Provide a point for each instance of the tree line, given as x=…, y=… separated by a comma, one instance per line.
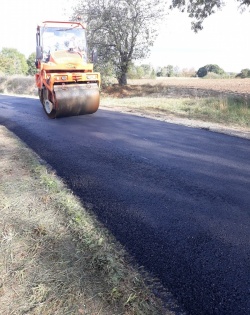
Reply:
x=147, y=71
x=13, y=62
x=212, y=71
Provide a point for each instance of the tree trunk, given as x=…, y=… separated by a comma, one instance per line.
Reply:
x=123, y=79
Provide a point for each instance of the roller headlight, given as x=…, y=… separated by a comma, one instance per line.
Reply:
x=92, y=77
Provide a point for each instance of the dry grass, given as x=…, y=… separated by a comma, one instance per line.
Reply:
x=18, y=84
x=55, y=258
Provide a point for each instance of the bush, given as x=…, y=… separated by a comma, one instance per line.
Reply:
x=107, y=72
x=203, y=71
x=18, y=84
x=212, y=75
x=3, y=80
x=245, y=73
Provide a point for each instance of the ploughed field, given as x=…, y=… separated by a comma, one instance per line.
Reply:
x=180, y=87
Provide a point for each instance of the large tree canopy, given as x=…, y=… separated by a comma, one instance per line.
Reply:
x=203, y=71
x=122, y=31
x=12, y=62
x=199, y=10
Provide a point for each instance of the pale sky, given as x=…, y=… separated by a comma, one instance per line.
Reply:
x=224, y=40
x=19, y=19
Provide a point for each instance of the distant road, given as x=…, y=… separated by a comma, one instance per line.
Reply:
x=177, y=198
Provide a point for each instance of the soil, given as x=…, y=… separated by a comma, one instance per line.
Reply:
x=231, y=86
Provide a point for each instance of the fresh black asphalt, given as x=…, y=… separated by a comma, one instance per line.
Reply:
x=177, y=198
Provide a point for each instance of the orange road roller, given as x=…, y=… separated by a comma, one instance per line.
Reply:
x=66, y=82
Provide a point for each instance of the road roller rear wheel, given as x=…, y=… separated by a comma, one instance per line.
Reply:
x=47, y=105
x=49, y=110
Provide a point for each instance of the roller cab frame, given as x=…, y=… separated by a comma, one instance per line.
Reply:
x=67, y=85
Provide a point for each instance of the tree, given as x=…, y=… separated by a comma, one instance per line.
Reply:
x=122, y=31
x=12, y=62
x=107, y=71
x=31, y=64
x=170, y=71
x=5, y=64
x=138, y=72
x=199, y=10
x=188, y=72
x=245, y=73
x=159, y=72
x=148, y=71
x=203, y=71
x=167, y=71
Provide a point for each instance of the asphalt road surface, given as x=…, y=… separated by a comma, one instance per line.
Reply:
x=177, y=198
